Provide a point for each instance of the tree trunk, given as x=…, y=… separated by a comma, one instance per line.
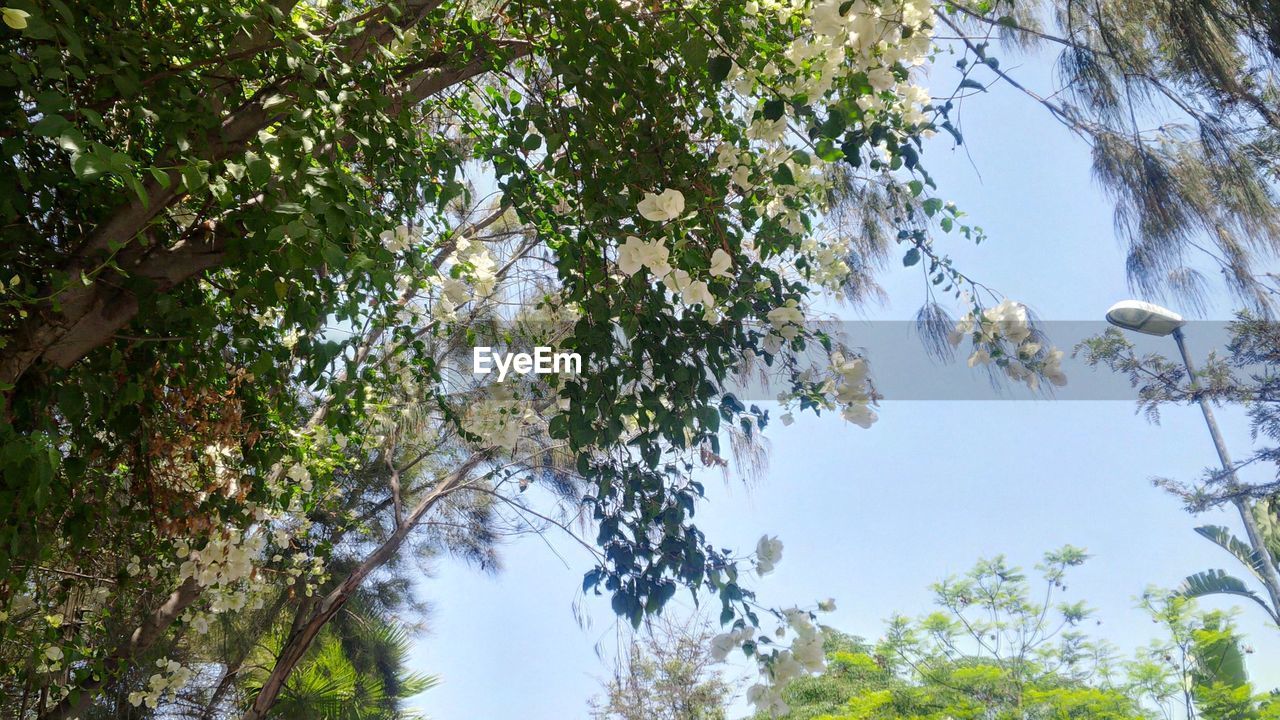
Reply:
x=303, y=636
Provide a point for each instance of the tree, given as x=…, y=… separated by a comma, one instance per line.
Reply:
x=667, y=674
x=354, y=671
x=1178, y=103
x=1246, y=376
x=242, y=242
x=996, y=650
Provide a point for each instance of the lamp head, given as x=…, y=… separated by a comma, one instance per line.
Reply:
x=1144, y=317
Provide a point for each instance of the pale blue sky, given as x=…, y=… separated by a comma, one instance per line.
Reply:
x=872, y=517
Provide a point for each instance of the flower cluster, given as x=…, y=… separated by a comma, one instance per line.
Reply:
x=498, y=418
x=780, y=664
x=171, y=678
x=805, y=655
x=1003, y=336
x=768, y=554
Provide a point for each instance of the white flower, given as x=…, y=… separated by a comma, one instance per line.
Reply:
x=655, y=257
x=881, y=79
x=852, y=370
x=397, y=239
x=721, y=264
x=663, y=207
x=827, y=20
x=828, y=605
x=696, y=293
x=630, y=254
x=807, y=650
x=300, y=475
x=53, y=653
x=636, y=254
x=14, y=18
x=963, y=328
x=858, y=414
x=1052, y=368
x=768, y=553
x=788, y=418
x=979, y=357
x=1010, y=319
x=723, y=644
x=456, y=290
x=785, y=319
x=483, y=272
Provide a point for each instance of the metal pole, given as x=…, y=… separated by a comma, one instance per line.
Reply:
x=1270, y=578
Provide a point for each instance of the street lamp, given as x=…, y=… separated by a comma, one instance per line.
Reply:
x=1152, y=319
x=1145, y=318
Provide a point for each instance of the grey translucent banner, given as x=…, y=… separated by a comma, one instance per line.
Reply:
x=906, y=366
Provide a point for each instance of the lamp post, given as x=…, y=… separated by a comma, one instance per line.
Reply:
x=1152, y=319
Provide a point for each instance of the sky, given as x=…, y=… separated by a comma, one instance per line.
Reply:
x=873, y=517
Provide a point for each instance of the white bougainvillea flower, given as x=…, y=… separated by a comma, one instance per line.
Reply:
x=15, y=18
x=725, y=643
x=861, y=415
x=721, y=264
x=654, y=256
x=1010, y=319
x=1053, y=368
x=397, y=239
x=456, y=290
x=852, y=370
x=630, y=255
x=880, y=79
x=827, y=20
x=636, y=253
x=300, y=475
x=483, y=272
x=668, y=205
x=787, y=319
x=768, y=553
x=697, y=293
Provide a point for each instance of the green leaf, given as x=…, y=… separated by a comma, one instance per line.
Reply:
x=88, y=166
x=1218, y=582
x=258, y=167
x=911, y=258
x=193, y=178
x=971, y=83
x=1239, y=549
x=161, y=177
x=1216, y=650
x=718, y=67
x=773, y=109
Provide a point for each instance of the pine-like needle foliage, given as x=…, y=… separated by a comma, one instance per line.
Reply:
x=1180, y=103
